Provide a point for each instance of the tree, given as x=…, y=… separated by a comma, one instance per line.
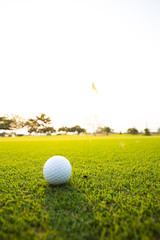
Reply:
x=17, y=122
x=147, y=132
x=63, y=129
x=6, y=123
x=132, y=131
x=43, y=120
x=44, y=124
x=77, y=129
x=32, y=125
x=47, y=130
x=41, y=124
x=105, y=130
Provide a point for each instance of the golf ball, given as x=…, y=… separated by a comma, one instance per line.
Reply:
x=57, y=170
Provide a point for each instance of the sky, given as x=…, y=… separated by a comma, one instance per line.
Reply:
x=52, y=51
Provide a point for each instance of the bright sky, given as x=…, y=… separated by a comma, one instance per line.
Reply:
x=51, y=52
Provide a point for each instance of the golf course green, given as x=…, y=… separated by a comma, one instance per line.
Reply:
x=113, y=192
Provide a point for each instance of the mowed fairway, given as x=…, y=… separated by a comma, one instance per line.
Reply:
x=119, y=199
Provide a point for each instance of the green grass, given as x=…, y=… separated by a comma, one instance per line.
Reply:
x=120, y=198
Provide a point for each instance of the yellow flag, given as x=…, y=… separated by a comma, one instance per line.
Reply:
x=94, y=88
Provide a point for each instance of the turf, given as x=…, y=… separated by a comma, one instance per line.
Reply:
x=118, y=199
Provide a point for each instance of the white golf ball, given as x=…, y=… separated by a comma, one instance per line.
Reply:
x=57, y=170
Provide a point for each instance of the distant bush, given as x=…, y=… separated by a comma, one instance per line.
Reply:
x=75, y=129
x=19, y=135
x=105, y=130
x=3, y=134
x=132, y=131
x=147, y=132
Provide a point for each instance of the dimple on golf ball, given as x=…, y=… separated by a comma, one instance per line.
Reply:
x=57, y=170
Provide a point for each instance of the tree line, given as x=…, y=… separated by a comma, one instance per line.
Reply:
x=40, y=124
x=43, y=125
x=132, y=131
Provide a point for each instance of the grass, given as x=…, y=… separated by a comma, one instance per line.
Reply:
x=119, y=199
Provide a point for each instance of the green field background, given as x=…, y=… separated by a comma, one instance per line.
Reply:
x=119, y=199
